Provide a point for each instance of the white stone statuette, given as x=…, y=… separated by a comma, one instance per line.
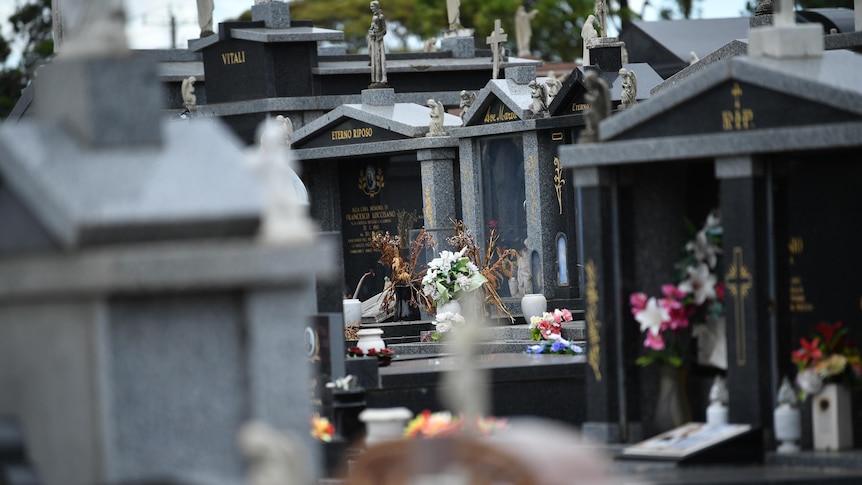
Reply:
x=205, y=17
x=275, y=458
x=692, y=58
x=93, y=29
x=539, y=102
x=435, y=128
x=453, y=13
x=430, y=45
x=588, y=37
x=467, y=99
x=285, y=198
x=523, y=29
x=599, y=99
x=554, y=86
x=376, y=33
x=601, y=13
x=286, y=128
x=188, y=91
x=629, y=95
x=497, y=41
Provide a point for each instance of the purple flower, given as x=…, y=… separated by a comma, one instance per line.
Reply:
x=558, y=346
x=536, y=349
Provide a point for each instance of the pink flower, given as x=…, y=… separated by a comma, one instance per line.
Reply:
x=558, y=317
x=671, y=291
x=567, y=315
x=653, y=341
x=638, y=302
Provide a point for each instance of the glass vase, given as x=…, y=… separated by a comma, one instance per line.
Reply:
x=671, y=407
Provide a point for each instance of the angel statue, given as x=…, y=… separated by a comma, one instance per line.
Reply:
x=435, y=128
x=629, y=95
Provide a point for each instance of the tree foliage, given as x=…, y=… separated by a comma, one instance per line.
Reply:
x=556, y=29
x=31, y=28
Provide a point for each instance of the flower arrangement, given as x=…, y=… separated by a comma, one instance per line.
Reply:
x=449, y=276
x=442, y=423
x=321, y=428
x=547, y=330
x=445, y=321
x=698, y=297
x=495, y=264
x=404, y=270
x=384, y=356
x=827, y=358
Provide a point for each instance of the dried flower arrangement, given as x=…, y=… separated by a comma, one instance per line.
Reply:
x=495, y=263
x=403, y=269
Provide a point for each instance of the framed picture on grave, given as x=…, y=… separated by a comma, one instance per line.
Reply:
x=504, y=201
x=689, y=440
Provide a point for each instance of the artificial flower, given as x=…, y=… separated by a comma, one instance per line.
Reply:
x=826, y=358
x=654, y=341
x=321, y=428
x=701, y=282
x=652, y=317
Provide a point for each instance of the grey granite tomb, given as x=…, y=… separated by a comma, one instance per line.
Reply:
x=142, y=320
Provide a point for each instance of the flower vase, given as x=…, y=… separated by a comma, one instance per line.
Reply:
x=533, y=305
x=404, y=311
x=671, y=408
x=451, y=306
x=370, y=338
x=832, y=419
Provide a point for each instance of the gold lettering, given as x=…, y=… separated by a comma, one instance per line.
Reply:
x=580, y=106
x=342, y=134
x=593, y=323
x=233, y=57
x=726, y=120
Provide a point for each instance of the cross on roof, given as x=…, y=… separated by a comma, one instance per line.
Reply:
x=497, y=37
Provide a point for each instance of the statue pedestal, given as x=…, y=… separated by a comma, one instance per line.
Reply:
x=461, y=46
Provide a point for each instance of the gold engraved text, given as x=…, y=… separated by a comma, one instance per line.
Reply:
x=594, y=326
x=233, y=57
x=739, y=118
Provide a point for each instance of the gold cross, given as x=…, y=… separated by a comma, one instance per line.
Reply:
x=738, y=280
x=736, y=92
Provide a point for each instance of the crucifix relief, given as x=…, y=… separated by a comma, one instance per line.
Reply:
x=497, y=41
x=739, y=281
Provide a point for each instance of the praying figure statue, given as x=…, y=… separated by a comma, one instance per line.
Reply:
x=629, y=95
x=588, y=36
x=601, y=12
x=523, y=29
x=539, y=95
x=453, y=11
x=188, y=91
x=205, y=17
x=599, y=98
x=375, y=46
x=435, y=128
x=430, y=45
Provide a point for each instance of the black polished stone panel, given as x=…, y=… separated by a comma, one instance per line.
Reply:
x=737, y=106
x=747, y=302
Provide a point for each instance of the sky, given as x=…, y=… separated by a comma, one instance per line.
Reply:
x=148, y=21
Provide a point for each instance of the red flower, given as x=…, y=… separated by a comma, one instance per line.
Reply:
x=719, y=291
x=828, y=332
x=809, y=351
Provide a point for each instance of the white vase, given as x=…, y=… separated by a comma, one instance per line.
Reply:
x=788, y=428
x=832, y=419
x=352, y=311
x=370, y=338
x=384, y=424
x=533, y=305
x=451, y=306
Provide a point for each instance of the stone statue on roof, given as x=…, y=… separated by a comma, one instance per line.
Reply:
x=601, y=13
x=629, y=95
x=453, y=11
x=376, y=33
x=599, y=99
x=523, y=29
x=588, y=36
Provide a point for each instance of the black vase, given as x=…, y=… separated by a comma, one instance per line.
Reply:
x=404, y=311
